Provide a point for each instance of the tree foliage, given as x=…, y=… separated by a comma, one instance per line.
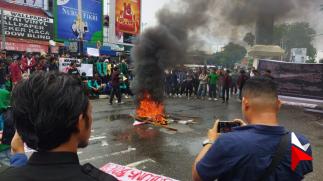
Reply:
x=295, y=35
x=231, y=54
x=249, y=38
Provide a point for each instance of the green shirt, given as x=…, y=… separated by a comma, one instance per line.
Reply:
x=93, y=84
x=8, y=85
x=4, y=99
x=124, y=68
x=213, y=78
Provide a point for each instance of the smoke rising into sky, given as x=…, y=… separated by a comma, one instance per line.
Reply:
x=167, y=44
x=242, y=12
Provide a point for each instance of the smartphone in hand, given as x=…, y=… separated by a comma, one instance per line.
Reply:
x=226, y=126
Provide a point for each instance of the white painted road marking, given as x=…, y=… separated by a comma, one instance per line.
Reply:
x=130, y=149
x=136, y=164
x=104, y=143
x=97, y=138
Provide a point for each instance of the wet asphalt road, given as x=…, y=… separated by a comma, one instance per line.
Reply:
x=171, y=154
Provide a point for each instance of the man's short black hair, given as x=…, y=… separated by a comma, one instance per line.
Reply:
x=46, y=109
x=260, y=87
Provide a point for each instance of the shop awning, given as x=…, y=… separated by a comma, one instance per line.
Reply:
x=22, y=9
x=105, y=50
x=25, y=45
x=266, y=51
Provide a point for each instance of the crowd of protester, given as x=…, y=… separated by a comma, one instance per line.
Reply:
x=207, y=83
x=109, y=76
x=57, y=128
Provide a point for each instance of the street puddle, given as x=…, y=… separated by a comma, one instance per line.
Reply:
x=116, y=117
x=136, y=133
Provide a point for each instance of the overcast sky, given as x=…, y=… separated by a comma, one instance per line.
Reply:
x=149, y=9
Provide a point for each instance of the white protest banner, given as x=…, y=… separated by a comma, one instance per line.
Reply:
x=65, y=62
x=124, y=173
x=86, y=68
x=93, y=52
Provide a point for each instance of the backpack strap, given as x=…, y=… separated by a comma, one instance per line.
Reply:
x=277, y=157
x=96, y=174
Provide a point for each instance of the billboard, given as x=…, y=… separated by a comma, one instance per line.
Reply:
x=22, y=25
x=296, y=80
x=32, y=3
x=127, y=17
x=66, y=15
x=298, y=55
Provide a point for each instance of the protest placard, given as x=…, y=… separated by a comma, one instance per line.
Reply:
x=124, y=173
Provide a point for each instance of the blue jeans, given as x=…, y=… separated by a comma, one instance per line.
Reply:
x=202, y=90
x=213, y=90
x=5, y=157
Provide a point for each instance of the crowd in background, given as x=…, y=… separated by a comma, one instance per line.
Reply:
x=211, y=83
x=110, y=76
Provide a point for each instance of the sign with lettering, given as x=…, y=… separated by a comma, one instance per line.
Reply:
x=296, y=79
x=27, y=26
x=68, y=24
x=25, y=47
x=32, y=3
x=65, y=62
x=86, y=68
x=124, y=173
x=128, y=16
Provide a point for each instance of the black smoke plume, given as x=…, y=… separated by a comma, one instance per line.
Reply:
x=242, y=12
x=165, y=45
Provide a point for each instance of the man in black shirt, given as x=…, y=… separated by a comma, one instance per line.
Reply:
x=3, y=74
x=54, y=117
x=73, y=70
x=3, y=69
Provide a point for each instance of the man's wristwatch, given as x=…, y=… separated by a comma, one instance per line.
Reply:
x=207, y=142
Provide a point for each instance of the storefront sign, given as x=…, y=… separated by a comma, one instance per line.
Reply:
x=27, y=26
x=32, y=3
x=25, y=47
x=124, y=173
x=128, y=16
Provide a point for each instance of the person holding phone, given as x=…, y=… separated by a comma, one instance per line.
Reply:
x=260, y=150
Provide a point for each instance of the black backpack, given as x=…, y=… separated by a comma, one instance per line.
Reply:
x=8, y=127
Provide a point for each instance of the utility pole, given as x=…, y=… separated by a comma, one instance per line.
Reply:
x=3, y=32
x=80, y=26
